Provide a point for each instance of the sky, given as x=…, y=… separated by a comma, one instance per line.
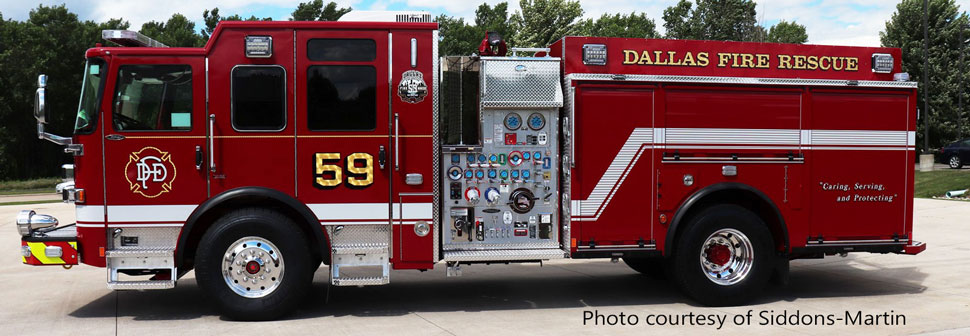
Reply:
x=834, y=22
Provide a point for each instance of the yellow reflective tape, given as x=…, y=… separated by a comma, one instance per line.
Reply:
x=73, y=245
x=37, y=249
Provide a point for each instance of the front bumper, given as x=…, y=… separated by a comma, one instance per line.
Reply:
x=48, y=245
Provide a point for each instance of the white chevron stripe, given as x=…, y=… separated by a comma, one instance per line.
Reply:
x=591, y=208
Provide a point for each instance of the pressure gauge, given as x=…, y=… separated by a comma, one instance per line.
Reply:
x=479, y=174
x=481, y=158
x=526, y=156
x=454, y=173
x=537, y=156
x=471, y=158
x=513, y=121
x=492, y=174
x=504, y=174
x=537, y=121
x=493, y=158
x=526, y=174
x=469, y=174
x=515, y=174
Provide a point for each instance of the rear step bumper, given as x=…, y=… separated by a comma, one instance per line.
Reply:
x=50, y=247
x=914, y=248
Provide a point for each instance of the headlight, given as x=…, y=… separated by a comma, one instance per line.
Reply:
x=28, y=221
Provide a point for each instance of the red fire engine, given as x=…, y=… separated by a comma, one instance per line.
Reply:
x=281, y=145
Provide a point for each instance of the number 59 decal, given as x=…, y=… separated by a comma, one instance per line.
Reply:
x=359, y=168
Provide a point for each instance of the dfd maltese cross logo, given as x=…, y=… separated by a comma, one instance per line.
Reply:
x=150, y=172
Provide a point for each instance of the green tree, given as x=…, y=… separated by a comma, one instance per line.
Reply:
x=542, y=22
x=316, y=11
x=178, y=31
x=787, y=32
x=212, y=18
x=51, y=41
x=621, y=25
x=905, y=31
x=724, y=20
x=460, y=38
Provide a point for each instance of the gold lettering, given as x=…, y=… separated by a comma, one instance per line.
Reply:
x=702, y=59
x=763, y=61
x=630, y=57
x=722, y=59
x=689, y=60
x=645, y=58
x=822, y=63
x=657, y=57
x=852, y=64
x=784, y=61
x=672, y=58
x=747, y=61
x=813, y=62
x=838, y=63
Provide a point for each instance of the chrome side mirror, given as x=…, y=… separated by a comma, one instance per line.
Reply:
x=40, y=100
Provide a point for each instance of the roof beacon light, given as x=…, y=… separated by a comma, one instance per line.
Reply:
x=901, y=77
x=882, y=63
x=128, y=38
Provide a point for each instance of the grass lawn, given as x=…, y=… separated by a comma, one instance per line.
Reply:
x=937, y=183
x=35, y=186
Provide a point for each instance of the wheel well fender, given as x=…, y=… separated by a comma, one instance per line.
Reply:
x=208, y=212
x=730, y=193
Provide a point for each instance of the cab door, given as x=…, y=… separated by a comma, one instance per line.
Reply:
x=154, y=140
x=343, y=138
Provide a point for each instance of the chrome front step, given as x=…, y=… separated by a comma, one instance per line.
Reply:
x=145, y=260
x=357, y=257
x=504, y=255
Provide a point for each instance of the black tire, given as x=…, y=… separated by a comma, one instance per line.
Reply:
x=652, y=267
x=690, y=272
x=288, y=243
x=954, y=162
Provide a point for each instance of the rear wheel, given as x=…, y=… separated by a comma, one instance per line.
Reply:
x=955, y=162
x=255, y=263
x=723, y=258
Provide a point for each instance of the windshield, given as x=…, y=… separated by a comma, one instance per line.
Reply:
x=87, y=110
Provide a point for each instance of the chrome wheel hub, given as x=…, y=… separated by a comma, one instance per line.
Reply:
x=252, y=267
x=954, y=162
x=726, y=256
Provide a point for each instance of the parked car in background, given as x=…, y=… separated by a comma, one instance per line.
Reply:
x=956, y=154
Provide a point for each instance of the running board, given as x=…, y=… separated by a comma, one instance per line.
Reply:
x=503, y=255
x=141, y=285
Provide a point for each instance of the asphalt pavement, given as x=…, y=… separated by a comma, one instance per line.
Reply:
x=926, y=293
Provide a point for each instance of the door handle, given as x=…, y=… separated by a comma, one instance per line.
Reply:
x=198, y=157
x=397, y=143
x=382, y=157
x=212, y=147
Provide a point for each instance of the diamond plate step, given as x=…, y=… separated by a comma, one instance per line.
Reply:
x=135, y=253
x=141, y=285
x=504, y=255
x=361, y=281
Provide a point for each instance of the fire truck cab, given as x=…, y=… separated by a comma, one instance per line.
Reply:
x=281, y=145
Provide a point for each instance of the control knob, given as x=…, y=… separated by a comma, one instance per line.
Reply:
x=472, y=195
x=492, y=195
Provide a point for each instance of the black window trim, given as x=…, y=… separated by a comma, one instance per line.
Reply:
x=371, y=61
x=232, y=100
x=115, y=89
x=377, y=99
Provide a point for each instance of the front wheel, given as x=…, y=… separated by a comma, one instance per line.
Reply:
x=255, y=263
x=723, y=258
x=955, y=162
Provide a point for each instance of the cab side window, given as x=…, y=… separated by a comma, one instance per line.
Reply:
x=153, y=98
x=342, y=93
x=259, y=98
